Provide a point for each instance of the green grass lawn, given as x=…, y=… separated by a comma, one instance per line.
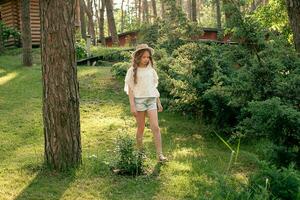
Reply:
x=198, y=160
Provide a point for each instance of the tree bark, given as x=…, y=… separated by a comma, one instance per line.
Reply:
x=1, y=40
x=77, y=16
x=122, y=16
x=140, y=11
x=163, y=11
x=194, y=11
x=60, y=85
x=145, y=11
x=154, y=8
x=82, y=20
x=189, y=9
x=101, y=22
x=218, y=9
x=89, y=11
x=26, y=33
x=111, y=22
x=293, y=8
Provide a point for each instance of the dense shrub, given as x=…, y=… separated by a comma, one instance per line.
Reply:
x=113, y=54
x=119, y=69
x=279, y=122
x=281, y=183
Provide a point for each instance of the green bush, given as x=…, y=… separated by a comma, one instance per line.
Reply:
x=191, y=71
x=276, y=121
x=128, y=160
x=149, y=34
x=112, y=54
x=8, y=32
x=119, y=69
x=281, y=183
x=81, y=49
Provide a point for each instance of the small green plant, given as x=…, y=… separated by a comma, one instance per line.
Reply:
x=81, y=51
x=8, y=32
x=128, y=160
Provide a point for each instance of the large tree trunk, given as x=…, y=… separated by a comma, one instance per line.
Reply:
x=111, y=22
x=77, y=17
x=154, y=8
x=140, y=11
x=89, y=11
x=122, y=16
x=145, y=11
x=293, y=8
x=60, y=85
x=26, y=33
x=199, y=10
x=194, y=11
x=163, y=10
x=101, y=22
x=189, y=9
x=218, y=10
x=96, y=7
x=82, y=20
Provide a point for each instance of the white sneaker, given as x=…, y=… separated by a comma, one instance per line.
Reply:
x=162, y=158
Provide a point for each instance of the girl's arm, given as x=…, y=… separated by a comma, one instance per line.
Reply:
x=160, y=108
x=131, y=101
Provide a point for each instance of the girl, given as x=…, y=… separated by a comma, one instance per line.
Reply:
x=141, y=83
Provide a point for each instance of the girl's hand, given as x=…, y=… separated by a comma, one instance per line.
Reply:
x=160, y=108
x=133, y=110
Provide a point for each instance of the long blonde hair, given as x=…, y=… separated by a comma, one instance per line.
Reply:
x=136, y=60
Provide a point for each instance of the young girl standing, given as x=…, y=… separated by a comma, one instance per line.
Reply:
x=141, y=83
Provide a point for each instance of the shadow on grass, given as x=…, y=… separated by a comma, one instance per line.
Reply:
x=47, y=185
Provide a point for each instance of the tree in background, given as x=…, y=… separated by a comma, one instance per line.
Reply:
x=111, y=22
x=293, y=8
x=82, y=19
x=26, y=33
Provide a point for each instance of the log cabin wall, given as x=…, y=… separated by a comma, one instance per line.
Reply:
x=11, y=16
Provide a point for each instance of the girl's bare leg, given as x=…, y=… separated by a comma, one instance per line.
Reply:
x=153, y=118
x=140, y=119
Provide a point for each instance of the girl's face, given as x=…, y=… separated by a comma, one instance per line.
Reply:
x=145, y=58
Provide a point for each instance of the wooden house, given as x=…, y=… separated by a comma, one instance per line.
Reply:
x=10, y=14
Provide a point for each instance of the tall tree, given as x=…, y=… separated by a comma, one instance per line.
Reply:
x=218, y=10
x=145, y=11
x=293, y=8
x=189, y=9
x=82, y=19
x=101, y=22
x=111, y=22
x=89, y=11
x=60, y=85
x=163, y=10
x=77, y=16
x=154, y=8
x=1, y=39
x=194, y=11
x=122, y=16
x=140, y=11
x=26, y=33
